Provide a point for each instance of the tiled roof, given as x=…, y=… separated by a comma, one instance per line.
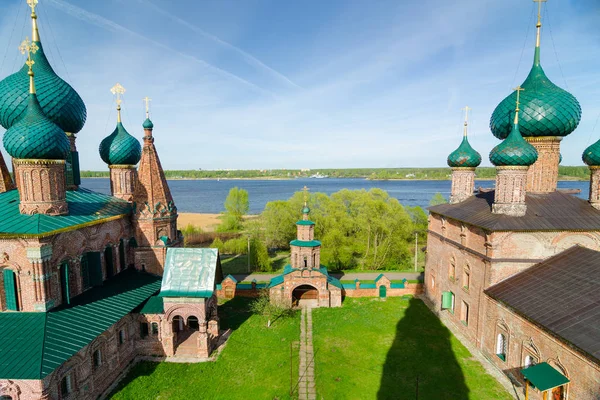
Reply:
x=85, y=208
x=120, y=148
x=561, y=295
x=190, y=272
x=32, y=345
x=545, y=212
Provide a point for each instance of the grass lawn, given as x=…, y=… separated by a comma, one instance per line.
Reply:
x=238, y=264
x=255, y=364
x=371, y=349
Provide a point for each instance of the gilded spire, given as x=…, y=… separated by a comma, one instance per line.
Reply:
x=518, y=89
x=305, y=190
x=29, y=48
x=35, y=35
x=466, y=109
x=538, y=27
x=118, y=90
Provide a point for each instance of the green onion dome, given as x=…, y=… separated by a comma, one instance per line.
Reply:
x=591, y=155
x=35, y=136
x=58, y=100
x=464, y=156
x=148, y=124
x=305, y=210
x=546, y=109
x=120, y=148
x=514, y=151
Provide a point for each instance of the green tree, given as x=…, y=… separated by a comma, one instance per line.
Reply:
x=236, y=206
x=437, y=199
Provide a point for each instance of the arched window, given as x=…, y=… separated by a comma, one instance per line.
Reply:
x=192, y=323
x=466, y=278
x=10, y=300
x=5, y=397
x=529, y=361
x=66, y=385
x=121, y=336
x=143, y=330
x=97, y=359
x=65, y=291
x=155, y=328
x=177, y=323
x=108, y=262
x=452, y=270
x=501, y=346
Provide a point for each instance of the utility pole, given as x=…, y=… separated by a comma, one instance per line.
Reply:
x=291, y=371
x=416, y=249
x=248, y=254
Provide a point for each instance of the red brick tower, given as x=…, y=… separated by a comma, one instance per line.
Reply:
x=155, y=214
x=305, y=250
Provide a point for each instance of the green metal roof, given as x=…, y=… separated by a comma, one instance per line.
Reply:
x=85, y=208
x=32, y=345
x=303, y=222
x=35, y=136
x=544, y=377
x=305, y=243
x=59, y=101
x=546, y=109
x=120, y=148
x=464, y=156
x=154, y=305
x=591, y=155
x=278, y=279
x=514, y=151
x=190, y=272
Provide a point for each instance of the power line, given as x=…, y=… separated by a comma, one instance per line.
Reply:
x=11, y=36
x=524, y=45
x=555, y=52
x=57, y=48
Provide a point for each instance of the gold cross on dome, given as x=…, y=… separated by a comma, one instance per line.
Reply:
x=305, y=190
x=539, y=7
x=147, y=100
x=466, y=110
x=118, y=90
x=28, y=47
x=518, y=89
x=32, y=4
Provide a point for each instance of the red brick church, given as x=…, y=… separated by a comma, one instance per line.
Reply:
x=81, y=293
x=515, y=272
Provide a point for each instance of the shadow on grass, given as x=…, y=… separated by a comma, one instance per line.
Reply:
x=421, y=352
x=143, y=368
x=234, y=312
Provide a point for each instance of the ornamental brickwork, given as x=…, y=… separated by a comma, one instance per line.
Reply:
x=595, y=187
x=542, y=176
x=122, y=181
x=463, y=184
x=41, y=185
x=509, y=197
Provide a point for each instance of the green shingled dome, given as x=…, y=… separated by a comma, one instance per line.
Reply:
x=591, y=155
x=546, y=109
x=59, y=101
x=514, y=151
x=305, y=210
x=35, y=136
x=120, y=148
x=148, y=124
x=464, y=156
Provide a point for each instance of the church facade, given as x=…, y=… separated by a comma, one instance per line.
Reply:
x=81, y=288
x=514, y=271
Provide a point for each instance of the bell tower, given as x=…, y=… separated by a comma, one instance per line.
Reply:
x=305, y=250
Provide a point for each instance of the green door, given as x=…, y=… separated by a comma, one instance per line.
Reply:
x=10, y=290
x=64, y=283
x=95, y=268
x=382, y=291
x=108, y=261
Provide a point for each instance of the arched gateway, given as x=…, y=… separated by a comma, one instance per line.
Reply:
x=306, y=281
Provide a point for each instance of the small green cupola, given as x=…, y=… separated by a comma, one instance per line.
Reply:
x=591, y=155
x=148, y=124
x=514, y=150
x=34, y=135
x=57, y=99
x=546, y=109
x=120, y=148
x=464, y=156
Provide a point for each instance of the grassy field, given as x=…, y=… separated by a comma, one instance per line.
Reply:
x=238, y=264
x=255, y=364
x=371, y=349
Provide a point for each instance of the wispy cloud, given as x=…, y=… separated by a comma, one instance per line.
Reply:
x=107, y=24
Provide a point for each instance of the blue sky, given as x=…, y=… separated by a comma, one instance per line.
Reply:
x=309, y=84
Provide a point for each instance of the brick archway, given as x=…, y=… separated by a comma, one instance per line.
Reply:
x=305, y=294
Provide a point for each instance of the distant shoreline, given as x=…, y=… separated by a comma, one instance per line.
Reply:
x=561, y=178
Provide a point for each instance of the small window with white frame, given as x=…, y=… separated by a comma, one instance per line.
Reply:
x=529, y=361
x=501, y=346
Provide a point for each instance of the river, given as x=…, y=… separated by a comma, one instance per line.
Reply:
x=208, y=196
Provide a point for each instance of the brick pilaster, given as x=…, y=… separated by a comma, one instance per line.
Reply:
x=122, y=181
x=542, y=176
x=595, y=187
x=463, y=184
x=509, y=198
x=41, y=185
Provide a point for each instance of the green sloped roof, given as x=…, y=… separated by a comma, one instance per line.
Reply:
x=148, y=124
x=514, y=150
x=544, y=377
x=154, y=305
x=591, y=155
x=304, y=222
x=546, y=109
x=464, y=156
x=85, y=208
x=305, y=243
x=35, y=136
x=190, y=272
x=47, y=340
x=59, y=101
x=120, y=148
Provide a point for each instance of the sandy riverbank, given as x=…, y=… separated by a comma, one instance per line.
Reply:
x=208, y=222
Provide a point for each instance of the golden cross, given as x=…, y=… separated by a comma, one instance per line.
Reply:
x=118, y=91
x=305, y=190
x=147, y=100
x=32, y=4
x=518, y=89
x=28, y=47
x=466, y=110
x=539, y=10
